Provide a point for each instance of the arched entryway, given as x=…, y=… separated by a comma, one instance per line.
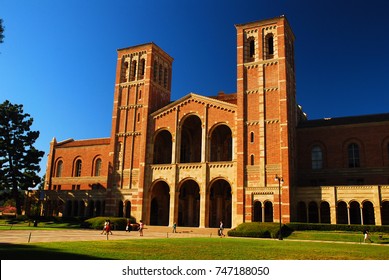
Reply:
x=191, y=135
x=341, y=213
x=221, y=144
x=269, y=212
x=159, y=204
x=189, y=204
x=385, y=213
x=128, y=209
x=163, y=148
x=355, y=213
x=325, y=213
x=368, y=213
x=220, y=203
x=257, y=211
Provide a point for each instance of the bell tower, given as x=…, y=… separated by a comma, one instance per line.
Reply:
x=142, y=86
x=266, y=116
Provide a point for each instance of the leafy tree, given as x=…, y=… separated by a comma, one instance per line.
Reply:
x=1, y=31
x=19, y=159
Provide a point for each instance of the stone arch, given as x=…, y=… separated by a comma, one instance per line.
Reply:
x=257, y=211
x=385, y=213
x=268, y=205
x=163, y=147
x=368, y=213
x=221, y=143
x=191, y=139
x=325, y=212
x=127, y=207
x=220, y=203
x=341, y=213
x=189, y=204
x=355, y=213
x=160, y=204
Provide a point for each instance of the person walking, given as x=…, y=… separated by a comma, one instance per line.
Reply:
x=174, y=227
x=366, y=236
x=221, y=229
x=104, y=227
x=141, y=226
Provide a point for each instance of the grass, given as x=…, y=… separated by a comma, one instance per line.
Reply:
x=195, y=249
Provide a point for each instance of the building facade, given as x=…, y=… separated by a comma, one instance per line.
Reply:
x=202, y=159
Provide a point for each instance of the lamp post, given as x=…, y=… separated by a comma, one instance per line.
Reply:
x=280, y=180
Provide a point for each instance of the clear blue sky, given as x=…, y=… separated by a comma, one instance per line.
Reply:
x=58, y=58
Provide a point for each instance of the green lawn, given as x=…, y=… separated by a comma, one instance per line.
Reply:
x=195, y=249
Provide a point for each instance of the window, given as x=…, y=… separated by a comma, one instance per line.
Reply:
x=141, y=69
x=133, y=70
x=59, y=169
x=317, y=158
x=252, y=137
x=155, y=71
x=77, y=171
x=251, y=49
x=160, y=78
x=252, y=160
x=269, y=46
x=98, y=167
x=353, y=155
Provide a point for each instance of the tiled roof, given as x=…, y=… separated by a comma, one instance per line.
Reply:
x=345, y=120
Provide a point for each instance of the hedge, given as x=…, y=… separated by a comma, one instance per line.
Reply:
x=259, y=230
x=98, y=222
x=337, y=227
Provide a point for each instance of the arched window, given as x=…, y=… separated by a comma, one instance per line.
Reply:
x=98, y=167
x=252, y=159
x=141, y=70
x=58, y=172
x=353, y=155
x=133, y=70
x=123, y=75
x=317, y=157
x=77, y=169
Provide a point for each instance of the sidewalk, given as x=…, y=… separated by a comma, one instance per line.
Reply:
x=37, y=235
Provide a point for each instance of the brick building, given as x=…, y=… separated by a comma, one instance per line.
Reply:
x=202, y=159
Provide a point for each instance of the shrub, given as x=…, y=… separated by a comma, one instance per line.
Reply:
x=259, y=230
x=337, y=227
x=98, y=222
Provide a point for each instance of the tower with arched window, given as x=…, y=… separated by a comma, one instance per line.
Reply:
x=266, y=111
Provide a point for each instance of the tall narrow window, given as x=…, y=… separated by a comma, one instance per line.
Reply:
x=251, y=49
x=160, y=78
x=317, y=158
x=133, y=70
x=123, y=74
x=141, y=70
x=98, y=167
x=353, y=155
x=77, y=170
x=58, y=172
x=165, y=77
x=155, y=71
x=252, y=137
x=270, y=44
x=252, y=160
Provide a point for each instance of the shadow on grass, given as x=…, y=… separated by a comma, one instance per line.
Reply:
x=32, y=252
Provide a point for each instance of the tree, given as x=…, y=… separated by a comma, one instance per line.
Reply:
x=1, y=31
x=19, y=159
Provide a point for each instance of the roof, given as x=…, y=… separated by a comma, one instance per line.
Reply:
x=374, y=118
x=79, y=143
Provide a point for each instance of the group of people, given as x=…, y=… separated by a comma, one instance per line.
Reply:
x=107, y=229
